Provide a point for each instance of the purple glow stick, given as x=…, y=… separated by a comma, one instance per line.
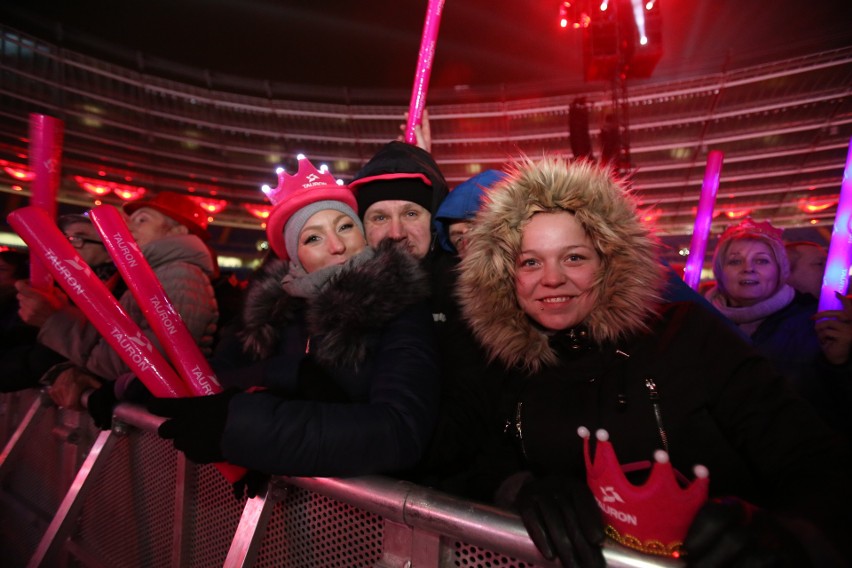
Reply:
x=839, y=262
x=698, y=246
x=424, y=69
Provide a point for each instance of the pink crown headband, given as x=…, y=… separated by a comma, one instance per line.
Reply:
x=308, y=185
x=749, y=226
x=653, y=517
x=306, y=177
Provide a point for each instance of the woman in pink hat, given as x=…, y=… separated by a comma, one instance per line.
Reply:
x=752, y=272
x=339, y=340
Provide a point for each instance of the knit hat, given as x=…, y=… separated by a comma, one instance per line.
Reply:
x=182, y=208
x=463, y=203
x=400, y=172
x=308, y=186
x=395, y=187
x=748, y=229
x=297, y=220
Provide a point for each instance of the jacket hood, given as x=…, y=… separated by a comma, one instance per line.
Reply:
x=355, y=303
x=629, y=284
x=463, y=203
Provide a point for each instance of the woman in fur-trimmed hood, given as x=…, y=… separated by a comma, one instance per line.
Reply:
x=339, y=338
x=561, y=285
x=627, y=287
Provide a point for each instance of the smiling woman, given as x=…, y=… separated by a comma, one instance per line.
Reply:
x=752, y=272
x=338, y=335
x=562, y=285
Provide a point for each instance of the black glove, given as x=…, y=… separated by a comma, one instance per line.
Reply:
x=563, y=520
x=196, y=424
x=252, y=484
x=733, y=533
x=136, y=392
x=101, y=403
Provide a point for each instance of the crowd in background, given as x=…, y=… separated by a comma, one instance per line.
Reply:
x=461, y=339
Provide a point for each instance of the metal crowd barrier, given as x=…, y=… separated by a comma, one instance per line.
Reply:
x=72, y=495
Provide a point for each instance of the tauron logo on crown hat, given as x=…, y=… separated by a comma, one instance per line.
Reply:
x=653, y=517
x=306, y=177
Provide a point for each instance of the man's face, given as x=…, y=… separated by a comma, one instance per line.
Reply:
x=85, y=238
x=402, y=221
x=458, y=235
x=807, y=271
x=148, y=225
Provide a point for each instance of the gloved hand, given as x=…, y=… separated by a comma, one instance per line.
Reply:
x=196, y=424
x=733, y=533
x=252, y=484
x=563, y=520
x=136, y=392
x=101, y=403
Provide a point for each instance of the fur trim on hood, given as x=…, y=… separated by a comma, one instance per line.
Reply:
x=629, y=284
x=360, y=300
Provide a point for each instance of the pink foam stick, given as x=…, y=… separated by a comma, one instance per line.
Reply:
x=51, y=247
x=45, y=158
x=166, y=322
x=424, y=68
x=839, y=261
x=102, y=310
x=159, y=311
x=701, y=230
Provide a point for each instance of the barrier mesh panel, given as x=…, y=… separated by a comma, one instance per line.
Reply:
x=29, y=497
x=127, y=519
x=470, y=556
x=35, y=477
x=307, y=530
x=213, y=516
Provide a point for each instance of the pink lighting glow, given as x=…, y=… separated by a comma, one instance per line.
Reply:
x=20, y=173
x=212, y=206
x=260, y=211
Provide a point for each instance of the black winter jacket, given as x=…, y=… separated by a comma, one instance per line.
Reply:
x=351, y=376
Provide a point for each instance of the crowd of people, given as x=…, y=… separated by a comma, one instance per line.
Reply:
x=462, y=339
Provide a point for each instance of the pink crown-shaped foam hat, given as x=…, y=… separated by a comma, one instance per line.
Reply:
x=308, y=185
x=749, y=226
x=653, y=517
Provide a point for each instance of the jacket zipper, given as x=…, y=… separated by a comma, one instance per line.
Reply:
x=517, y=428
x=654, y=397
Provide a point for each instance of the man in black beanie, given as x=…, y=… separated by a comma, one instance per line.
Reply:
x=397, y=191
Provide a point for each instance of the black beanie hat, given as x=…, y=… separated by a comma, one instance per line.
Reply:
x=412, y=189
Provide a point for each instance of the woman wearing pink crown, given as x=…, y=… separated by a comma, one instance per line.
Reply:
x=561, y=285
x=752, y=272
x=337, y=340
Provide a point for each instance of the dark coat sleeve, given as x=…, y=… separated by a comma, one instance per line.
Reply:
x=387, y=432
x=236, y=369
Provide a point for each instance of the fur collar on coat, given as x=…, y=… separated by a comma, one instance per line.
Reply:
x=356, y=302
x=629, y=284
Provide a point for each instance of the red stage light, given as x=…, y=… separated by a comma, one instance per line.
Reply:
x=212, y=206
x=259, y=211
x=19, y=172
